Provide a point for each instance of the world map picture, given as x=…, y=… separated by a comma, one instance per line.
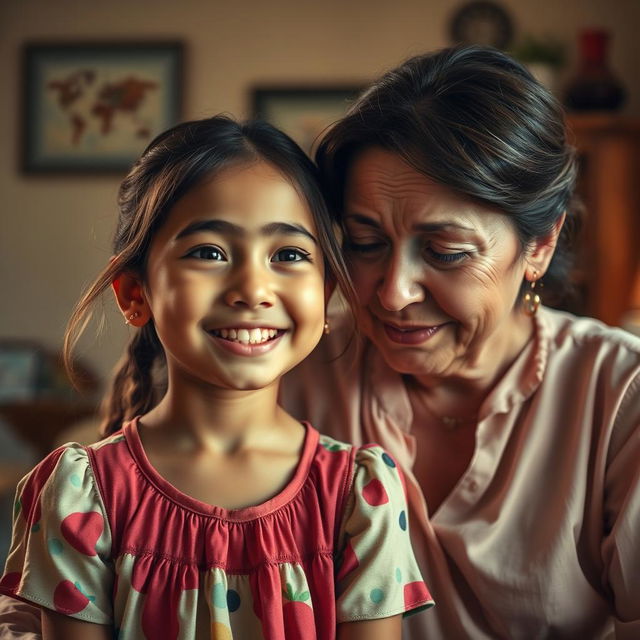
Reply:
x=99, y=110
x=102, y=107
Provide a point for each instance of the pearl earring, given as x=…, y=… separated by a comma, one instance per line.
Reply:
x=133, y=316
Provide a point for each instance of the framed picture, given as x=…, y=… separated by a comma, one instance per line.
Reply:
x=94, y=107
x=21, y=369
x=303, y=112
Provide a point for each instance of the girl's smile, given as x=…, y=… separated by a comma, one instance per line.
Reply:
x=249, y=341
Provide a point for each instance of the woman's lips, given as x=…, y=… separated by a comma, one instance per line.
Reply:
x=410, y=335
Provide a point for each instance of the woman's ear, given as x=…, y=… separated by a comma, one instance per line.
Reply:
x=130, y=297
x=541, y=251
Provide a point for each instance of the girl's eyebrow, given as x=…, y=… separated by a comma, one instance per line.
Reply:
x=228, y=228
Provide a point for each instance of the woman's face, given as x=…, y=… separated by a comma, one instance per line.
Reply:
x=437, y=275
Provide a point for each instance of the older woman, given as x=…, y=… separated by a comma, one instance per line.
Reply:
x=518, y=426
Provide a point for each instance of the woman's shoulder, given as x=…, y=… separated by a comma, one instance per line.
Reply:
x=597, y=363
x=565, y=327
x=587, y=342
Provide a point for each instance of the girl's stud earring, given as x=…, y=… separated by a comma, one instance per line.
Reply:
x=531, y=300
x=133, y=316
x=326, y=328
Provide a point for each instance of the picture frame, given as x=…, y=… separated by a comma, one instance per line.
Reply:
x=21, y=370
x=93, y=107
x=303, y=112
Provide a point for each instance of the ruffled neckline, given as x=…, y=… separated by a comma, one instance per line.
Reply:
x=244, y=514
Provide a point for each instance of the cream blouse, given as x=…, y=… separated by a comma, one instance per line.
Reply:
x=541, y=536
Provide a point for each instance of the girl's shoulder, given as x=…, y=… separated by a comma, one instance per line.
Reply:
x=65, y=477
x=367, y=459
x=331, y=444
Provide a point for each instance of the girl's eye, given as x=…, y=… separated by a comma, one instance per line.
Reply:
x=290, y=255
x=446, y=257
x=207, y=252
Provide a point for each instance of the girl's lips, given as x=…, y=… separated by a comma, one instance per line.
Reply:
x=410, y=336
x=247, y=349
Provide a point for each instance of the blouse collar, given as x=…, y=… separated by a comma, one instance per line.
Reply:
x=517, y=385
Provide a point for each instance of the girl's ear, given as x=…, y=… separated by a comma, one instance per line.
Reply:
x=541, y=251
x=131, y=299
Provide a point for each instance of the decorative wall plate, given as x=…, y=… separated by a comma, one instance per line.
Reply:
x=482, y=22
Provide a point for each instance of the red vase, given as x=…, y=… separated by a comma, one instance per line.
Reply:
x=594, y=87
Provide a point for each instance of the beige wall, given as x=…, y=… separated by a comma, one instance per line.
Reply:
x=55, y=231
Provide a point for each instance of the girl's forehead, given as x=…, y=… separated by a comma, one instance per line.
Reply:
x=249, y=195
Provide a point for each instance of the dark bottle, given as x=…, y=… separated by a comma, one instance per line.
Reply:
x=594, y=86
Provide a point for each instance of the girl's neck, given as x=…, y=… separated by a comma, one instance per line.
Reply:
x=221, y=419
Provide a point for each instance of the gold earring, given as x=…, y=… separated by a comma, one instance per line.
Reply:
x=133, y=316
x=327, y=328
x=531, y=300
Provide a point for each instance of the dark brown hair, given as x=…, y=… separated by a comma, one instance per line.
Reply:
x=173, y=163
x=476, y=121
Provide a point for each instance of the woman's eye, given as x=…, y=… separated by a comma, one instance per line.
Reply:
x=365, y=247
x=446, y=257
x=207, y=252
x=290, y=255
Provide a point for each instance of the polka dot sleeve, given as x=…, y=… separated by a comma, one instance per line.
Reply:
x=377, y=574
x=61, y=540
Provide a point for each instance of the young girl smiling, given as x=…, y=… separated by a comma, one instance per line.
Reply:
x=207, y=511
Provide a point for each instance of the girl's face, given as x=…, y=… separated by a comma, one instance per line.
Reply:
x=437, y=275
x=235, y=280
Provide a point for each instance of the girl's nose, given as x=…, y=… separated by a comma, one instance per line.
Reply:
x=400, y=284
x=251, y=288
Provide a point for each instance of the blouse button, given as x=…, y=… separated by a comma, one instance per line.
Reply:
x=473, y=485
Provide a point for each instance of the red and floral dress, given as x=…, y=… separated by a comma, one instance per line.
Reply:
x=100, y=536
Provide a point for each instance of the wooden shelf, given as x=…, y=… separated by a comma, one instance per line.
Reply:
x=609, y=183
x=39, y=422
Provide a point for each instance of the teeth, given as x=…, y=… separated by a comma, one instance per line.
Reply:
x=247, y=336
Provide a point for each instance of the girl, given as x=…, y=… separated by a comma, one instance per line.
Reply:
x=211, y=512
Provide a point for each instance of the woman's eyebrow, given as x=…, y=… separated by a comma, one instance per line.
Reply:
x=431, y=227
x=228, y=228
x=428, y=227
x=358, y=217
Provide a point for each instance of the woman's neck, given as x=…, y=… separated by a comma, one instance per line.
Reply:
x=464, y=390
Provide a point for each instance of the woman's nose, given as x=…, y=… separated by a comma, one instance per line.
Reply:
x=400, y=284
x=252, y=287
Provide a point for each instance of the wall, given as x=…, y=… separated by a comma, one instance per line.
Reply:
x=55, y=231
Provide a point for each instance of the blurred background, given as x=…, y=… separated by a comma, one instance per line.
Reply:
x=296, y=62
